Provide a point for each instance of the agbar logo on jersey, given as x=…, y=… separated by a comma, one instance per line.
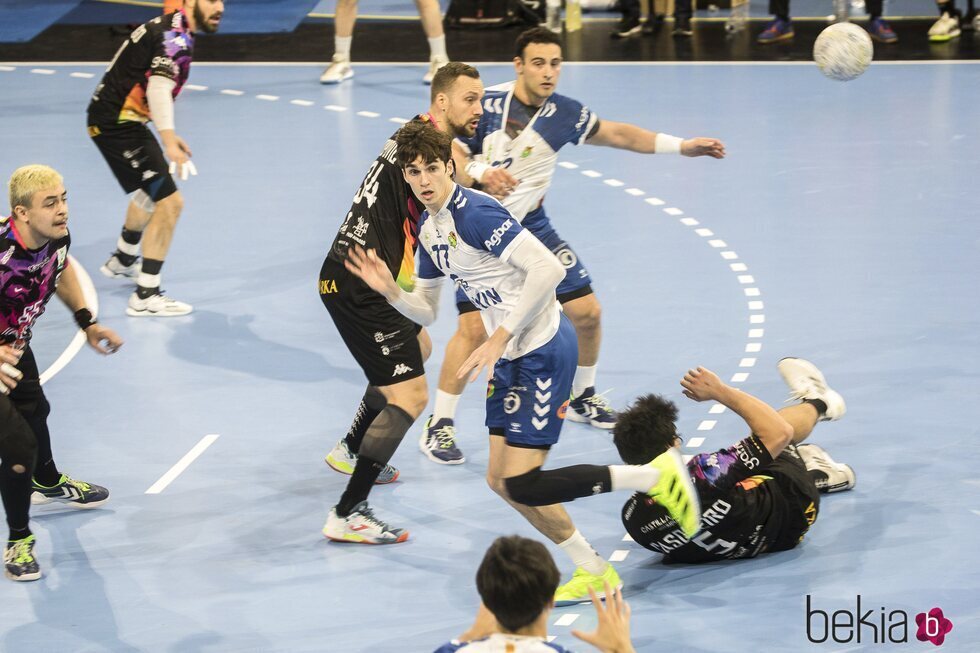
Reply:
x=497, y=236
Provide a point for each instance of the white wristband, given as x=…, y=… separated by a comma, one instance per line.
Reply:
x=476, y=169
x=667, y=144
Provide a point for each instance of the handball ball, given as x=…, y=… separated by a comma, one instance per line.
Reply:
x=843, y=51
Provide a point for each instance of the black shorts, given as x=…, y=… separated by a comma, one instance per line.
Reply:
x=383, y=341
x=135, y=158
x=797, y=501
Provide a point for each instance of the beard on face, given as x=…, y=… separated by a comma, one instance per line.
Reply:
x=202, y=21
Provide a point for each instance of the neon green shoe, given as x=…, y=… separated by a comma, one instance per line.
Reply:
x=675, y=491
x=577, y=590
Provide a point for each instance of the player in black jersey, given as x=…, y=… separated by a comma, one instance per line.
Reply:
x=388, y=347
x=140, y=85
x=760, y=495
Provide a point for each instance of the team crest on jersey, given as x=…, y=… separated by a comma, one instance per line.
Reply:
x=527, y=151
x=452, y=239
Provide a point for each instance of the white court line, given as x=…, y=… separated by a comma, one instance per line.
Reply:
x=551, y=638
x=694, y=442
x=752, y=292
x=627, y=538
x=717, y=409
x=231, y=91
x=757, y=319
x=747, y=362
x=717, y=243
x=42, y=71
x=334, y=107
x=301, y=103
x=192, y=87
x=615, y=183
x=635, y=192
x=83, y=75
x=654, y=201
x=729, y=255
x=746, y=278
x=568, y=165
x=79, y=340
x=753, y=348
x=182, y=464
x=756, y=333
x=566, y=619
x=686, y=458
x=673, y=211
x=756, y=305
x=267, y=98
x=592, y=173
x=704, y=232
x=400, y=121
x=740, y=377
x=7, y=69
x=689, y=222
x=618, y=555
x=707, y=424
x=368, y=114
x=738, y=267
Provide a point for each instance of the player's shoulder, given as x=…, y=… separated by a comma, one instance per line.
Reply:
x=498, y=89
x=565, y=102
x=469, y=202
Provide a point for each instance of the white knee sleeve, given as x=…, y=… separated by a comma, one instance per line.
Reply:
x=143, y=201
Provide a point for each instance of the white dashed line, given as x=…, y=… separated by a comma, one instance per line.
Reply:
x=400, y=121
x=694, y=442
x=728, y=256
x=673, y=211
x=615, y=183
x=757, y=305
x=267, y=98
x=334, y=107
x=566, y=619
x=182, y=464
x=747, y=362
x=757, y=319
x=195, y=87
x=746, y=278
x=302, y=103
x=618, y=555
x=717, y=243
x=83, y=75
x=689, y=222
x=551, y=638
x=231, y=91
x=627, y=538
x=368, y=114
x=654, y=201
x=753, y=348
x=717, y=409
x=635, y=192
x=752, y=292
x=42, y=71
x=594, y=174
x=686, y=458
x=704, y=232
x=756, y=333
x=707, y=424
x=7, y=69
x=738, y=267
x=568, y=165
x=740, y=377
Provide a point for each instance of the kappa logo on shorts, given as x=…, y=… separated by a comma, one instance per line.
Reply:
x=149, y=174
x=402, y=368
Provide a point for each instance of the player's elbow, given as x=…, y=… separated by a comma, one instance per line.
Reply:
x=555, y=271
x=778, y=435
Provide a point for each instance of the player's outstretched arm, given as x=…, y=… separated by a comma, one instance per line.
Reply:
x=612, y=635
x=420, y=306
x=702, y=384
x=625, y=136
x=100, y=338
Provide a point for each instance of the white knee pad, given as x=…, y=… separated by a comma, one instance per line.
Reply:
x=143, y=201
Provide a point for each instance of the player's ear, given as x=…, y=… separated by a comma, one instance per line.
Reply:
x=451, y=168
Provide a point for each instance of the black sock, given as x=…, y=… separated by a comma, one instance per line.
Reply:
x=818, y=404
x=46, y=473
x=372, y=403
x=149, y=266
x=19, y=533
x=131, y=237
x=359, y=486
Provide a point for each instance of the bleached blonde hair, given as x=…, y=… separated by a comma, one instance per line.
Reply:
x=30, y=179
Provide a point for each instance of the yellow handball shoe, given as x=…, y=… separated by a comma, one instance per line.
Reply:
x=675, y=491
x=577, y=590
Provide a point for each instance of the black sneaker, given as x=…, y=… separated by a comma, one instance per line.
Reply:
x=682, y=27
x=77, y=494
x=19, y=562
x=626, y=28
x=653, y=24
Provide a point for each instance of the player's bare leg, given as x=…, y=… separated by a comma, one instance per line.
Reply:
x=587, y=406
x=344, y=19
x=431, y=17
x=148, y=300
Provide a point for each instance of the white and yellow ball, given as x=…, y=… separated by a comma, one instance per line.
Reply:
x=843, y=51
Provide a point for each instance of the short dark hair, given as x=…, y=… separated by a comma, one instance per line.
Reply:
x=446, y=76
x=534, y=35
x=517, y=580
x=646, y=429
x=419, y=138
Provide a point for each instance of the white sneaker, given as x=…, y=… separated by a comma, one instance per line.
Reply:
x=343, y=460
x=114, y=269
x=434, y=65
x=338, y=70
x=158, y=305
x=362, y=527
x=805, y=381
x=946, y=28
x=828, y=475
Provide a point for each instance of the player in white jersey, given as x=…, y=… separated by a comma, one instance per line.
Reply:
x=530, y=354
x=513, y=156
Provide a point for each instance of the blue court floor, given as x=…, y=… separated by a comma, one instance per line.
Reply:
x=842, y=227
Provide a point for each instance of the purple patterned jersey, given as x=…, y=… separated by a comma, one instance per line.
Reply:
x=164, y=46
x=28, y=278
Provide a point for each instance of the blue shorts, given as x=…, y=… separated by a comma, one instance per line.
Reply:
x=577, y=282
x=528, y=396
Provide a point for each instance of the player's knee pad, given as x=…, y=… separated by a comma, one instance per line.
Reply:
x=18, y=449
x=522, y=488
x=143, y=201
x=374, y=399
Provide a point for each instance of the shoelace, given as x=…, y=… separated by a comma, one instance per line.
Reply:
x=599, y=401
x=368, y=515
x=81, y=485
x=20, y=553
x=444, y=437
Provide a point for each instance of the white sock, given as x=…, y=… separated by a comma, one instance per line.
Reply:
x=633, y=477
x=584, y=379
x=583, y=555
x=341, y=46
x=445, y=406
x=148, y=280
x=437, y=48
x=126, y=248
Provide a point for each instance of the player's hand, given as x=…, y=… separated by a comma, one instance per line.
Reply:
x=9, y=374
x=498, y=182
x=486, y=354
x=366, y=265
x=702, y=146
x=612, y=635
x=103, y=339
x=702, y=385
x=179, y=154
